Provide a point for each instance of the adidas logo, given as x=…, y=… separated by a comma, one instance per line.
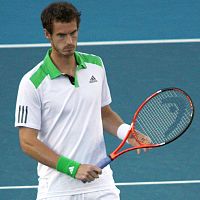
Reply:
x=71, y=169
x=93, y=79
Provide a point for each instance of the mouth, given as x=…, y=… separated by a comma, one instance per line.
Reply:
x=69, y=48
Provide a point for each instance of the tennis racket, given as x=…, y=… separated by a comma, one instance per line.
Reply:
x=160, y=119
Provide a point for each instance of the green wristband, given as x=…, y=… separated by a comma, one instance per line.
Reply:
x=67, y=166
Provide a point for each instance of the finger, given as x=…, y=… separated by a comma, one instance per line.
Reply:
x=145, y=149
x=94, y=174
x=133, y=142
x=87, y=179
x=138, y=151
x=98, y=170
x=90, y=178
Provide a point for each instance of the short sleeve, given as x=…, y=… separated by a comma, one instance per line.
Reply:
x=106, y=96
x=28, y=106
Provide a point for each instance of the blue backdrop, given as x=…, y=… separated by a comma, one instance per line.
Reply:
x=134, y=71
x=105, y=20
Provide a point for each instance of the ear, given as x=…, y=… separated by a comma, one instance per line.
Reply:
x=47, y=34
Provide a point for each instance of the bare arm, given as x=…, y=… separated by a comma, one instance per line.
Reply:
x=111, y=120
x=35, y=148
x=43, y=154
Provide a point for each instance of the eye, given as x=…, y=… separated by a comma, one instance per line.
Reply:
x=73, y=34
x=61, y=35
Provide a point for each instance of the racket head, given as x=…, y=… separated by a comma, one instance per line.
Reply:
x=162, y=117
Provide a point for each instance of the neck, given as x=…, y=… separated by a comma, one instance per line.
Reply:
x=66, y=64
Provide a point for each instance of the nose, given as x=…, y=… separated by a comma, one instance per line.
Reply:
x=68, y=39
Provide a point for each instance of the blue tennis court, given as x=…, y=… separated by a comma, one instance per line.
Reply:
x=134, y=71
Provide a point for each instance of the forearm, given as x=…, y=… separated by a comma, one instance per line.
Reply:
x=43, y=154
x=111, y=120
x=36, y=149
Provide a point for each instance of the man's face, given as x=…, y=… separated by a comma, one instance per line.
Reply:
x=64, y=37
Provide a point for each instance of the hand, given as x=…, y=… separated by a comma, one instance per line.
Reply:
x=88, y=173
x=143, y=139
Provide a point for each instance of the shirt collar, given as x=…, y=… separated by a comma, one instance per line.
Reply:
x=53, y=71
x=79, y=60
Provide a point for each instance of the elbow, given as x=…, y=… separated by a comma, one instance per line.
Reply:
x=25, y=147
x=27, y=139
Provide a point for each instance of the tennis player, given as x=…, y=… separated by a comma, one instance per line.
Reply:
x=62, y=107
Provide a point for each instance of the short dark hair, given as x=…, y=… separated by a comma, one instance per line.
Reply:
x=59, y=12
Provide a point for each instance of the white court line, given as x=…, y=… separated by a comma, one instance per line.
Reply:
x=98, y=43
x=117, y=184
x=159, y=183
x=18, y=187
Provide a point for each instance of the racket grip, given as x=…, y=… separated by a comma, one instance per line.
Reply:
x=104, y=162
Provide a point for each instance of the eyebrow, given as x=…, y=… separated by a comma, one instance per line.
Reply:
x=63, y=33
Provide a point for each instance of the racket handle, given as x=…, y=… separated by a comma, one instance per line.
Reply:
x=104, y=162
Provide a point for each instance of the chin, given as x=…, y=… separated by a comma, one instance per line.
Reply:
x=68, y=54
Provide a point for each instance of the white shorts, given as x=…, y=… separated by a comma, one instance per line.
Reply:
x=112, y=194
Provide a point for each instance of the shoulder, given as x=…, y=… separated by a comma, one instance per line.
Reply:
x=26, y=79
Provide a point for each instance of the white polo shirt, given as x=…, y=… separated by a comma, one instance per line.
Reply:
x=68, y=118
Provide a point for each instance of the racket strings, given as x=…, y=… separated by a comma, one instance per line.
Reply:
x=165, y=116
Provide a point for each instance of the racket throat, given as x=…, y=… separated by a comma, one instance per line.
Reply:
x=112, y=156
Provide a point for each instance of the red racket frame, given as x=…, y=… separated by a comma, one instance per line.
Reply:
x=132, y=130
